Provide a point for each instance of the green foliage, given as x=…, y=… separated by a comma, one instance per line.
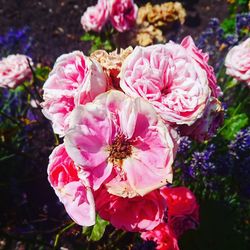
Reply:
x=98, y=229
x=228, y=25
x=242, y=2
x=42, y=73
x=98, y=41
x=233, y=125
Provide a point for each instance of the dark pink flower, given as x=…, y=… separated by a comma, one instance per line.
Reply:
x=183, y=209
x=162, y=236
x=123, y=14
x=132, y=214
x=180, y=201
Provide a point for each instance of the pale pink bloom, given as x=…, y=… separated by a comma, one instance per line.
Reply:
x=122, y=138
x=95, y=17
x=123, y=14
x=237, y=62
x=162, y=236
x=74, y=80
x=202, y=59
x=206, y=126
x=132, y=214
x=170, y=79
x=14, y=70
x=74, y=193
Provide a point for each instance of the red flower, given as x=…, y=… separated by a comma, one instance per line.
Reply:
x=162, y=236
x=183, y=209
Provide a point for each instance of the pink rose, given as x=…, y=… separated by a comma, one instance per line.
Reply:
x=162, y=236
x=95, y=17
x=132, y=214
x=202, y=59
x=206, y=126
x=121, y=138
x=74, y=193
x=170, y=79
x=180, y=201
x=74, y=80
x=14, y=70
x=237, y=62
x=123, y=14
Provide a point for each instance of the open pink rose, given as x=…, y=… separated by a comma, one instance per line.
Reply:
x=237, y=62
x=170, y=79
x=95, y=17
x=202, y=59
x=121, y=137
x=132, y=214
x=74, y=193
x=206, y=126
x=162, y=236
x=74, y=80
x=123, y=14
x=14, y=70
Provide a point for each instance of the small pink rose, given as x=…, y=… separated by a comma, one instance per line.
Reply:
x=237, y=62
x=95, y=17
x=170, y=79
x=73, y=192
x=123, y=14
x=132, y=214
x=14, y=70
x=74, y=80
x=162, y=236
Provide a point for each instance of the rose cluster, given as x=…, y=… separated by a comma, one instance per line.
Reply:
x=121, y=13
x=121, y=115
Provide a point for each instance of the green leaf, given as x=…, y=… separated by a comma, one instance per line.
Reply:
x=228, y=25
x=243, y=2
x=98, y=229
x=87, y=37
x=87, y=230
x=42, y=73
x=234, y=125
x=107, y=45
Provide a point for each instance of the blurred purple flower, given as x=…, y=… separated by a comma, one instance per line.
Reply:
x=16, y=41
x=240, y=146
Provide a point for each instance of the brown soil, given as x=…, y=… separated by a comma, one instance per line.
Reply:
x=56, y=29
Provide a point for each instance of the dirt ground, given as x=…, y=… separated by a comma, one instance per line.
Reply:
x=56, y=29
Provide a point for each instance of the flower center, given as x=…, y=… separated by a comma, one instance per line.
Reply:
x=120, y=149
